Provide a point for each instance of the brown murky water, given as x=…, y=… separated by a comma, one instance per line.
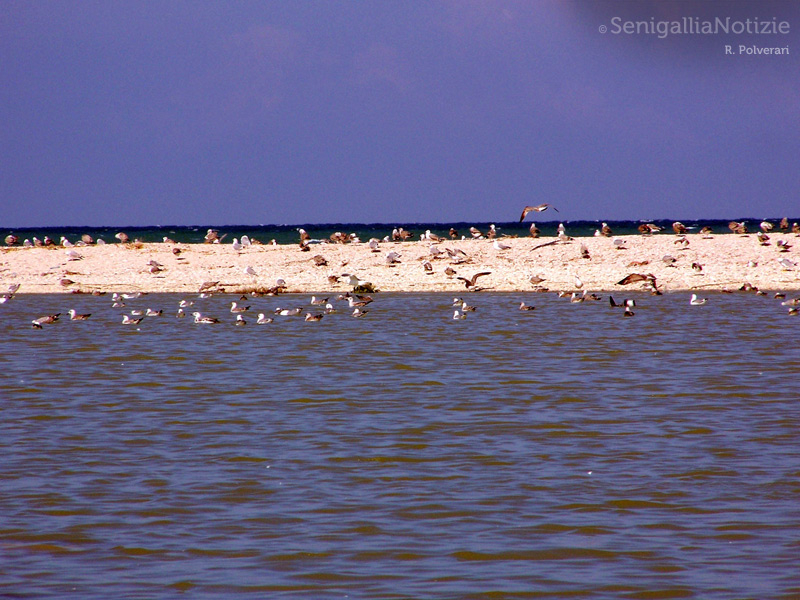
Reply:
x=566, y=452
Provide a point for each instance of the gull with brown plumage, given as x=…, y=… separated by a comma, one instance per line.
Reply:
x=470, y=283
x=538, y=208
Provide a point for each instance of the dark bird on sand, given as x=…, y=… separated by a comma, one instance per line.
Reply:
x=679, y=228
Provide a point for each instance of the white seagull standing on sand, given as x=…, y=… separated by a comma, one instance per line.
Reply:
x=499, y=246
x=787, y=264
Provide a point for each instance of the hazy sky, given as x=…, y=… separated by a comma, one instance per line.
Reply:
x=257, y=112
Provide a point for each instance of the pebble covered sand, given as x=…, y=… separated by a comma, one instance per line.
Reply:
x=727, y=262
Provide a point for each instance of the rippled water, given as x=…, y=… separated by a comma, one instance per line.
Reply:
x=566, y=452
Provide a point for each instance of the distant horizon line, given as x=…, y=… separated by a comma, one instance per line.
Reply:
x=375, y=224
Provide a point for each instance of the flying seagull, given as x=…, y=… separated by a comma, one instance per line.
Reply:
x=470, y=283
x=634, y=277
x=539, y=208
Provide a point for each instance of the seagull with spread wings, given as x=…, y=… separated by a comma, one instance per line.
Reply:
x=539, y=208
x=470, y=283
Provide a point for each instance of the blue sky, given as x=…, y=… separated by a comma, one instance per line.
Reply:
x=144, y=113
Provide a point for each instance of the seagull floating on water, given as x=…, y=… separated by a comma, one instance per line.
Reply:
x=198, y=318
x=695, y=301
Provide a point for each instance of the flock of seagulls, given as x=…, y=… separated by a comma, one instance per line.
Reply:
x=358, y=303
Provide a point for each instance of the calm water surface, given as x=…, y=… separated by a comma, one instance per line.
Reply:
x=567, y=452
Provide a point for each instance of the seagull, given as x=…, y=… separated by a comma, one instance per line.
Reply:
x=628, y=312
x=240, y=321
x=539, y=208
x=250, y=271
x=619, y=244
x=467, y=308
x=458, y=316
x=236, y=245
x=578, y=282
x=392, y=258
x=766, y=226
x=246, y=241
x=697, y=267
x=207, y=285
x=74, y=316
x=605, y=230
x=475, y=233
x=787, y=264
x=669, y=260
x=585, y=251
x=635, y=277
x=153, y=313
x=185, y=303
x=428, y=267
x=238, y=309
x=470, y=283
x=356, y=282
x=310, y=317
x=695, y=301
x=357, y=312
x=329, y=309
x=497, y=245
x=373, y=245
x=357, y=303
x=782, y=246
x=523, y=306
x=263, y=319
x=315, y=300
x=679, y=228
x=37, y=323
x=126, y=320
x=198, y=318
x=534, y=230
x=706, y=232
x=122, y=237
